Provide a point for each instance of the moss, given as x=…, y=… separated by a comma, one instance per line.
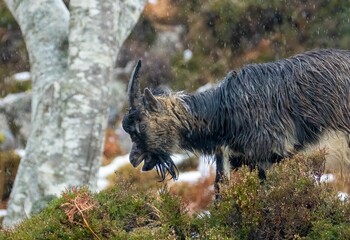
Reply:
x=18, y=86
x=45, y=225
x=53, y=222
x=141, y=181
x=6, y=18
x=39, y=205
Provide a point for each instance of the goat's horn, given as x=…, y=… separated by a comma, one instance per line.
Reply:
x=134, y=92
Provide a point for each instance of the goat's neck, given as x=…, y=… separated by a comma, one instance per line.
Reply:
x=202, y=131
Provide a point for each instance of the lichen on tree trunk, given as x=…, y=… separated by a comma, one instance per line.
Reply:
x=71, y=55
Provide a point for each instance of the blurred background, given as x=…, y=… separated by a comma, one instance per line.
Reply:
x=184, y=45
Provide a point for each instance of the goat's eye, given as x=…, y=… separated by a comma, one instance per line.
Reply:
x=142, y=127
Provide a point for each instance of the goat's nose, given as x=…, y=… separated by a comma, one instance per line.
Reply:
x=136, y=156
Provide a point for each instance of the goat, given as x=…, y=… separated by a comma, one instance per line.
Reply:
x=256, y=116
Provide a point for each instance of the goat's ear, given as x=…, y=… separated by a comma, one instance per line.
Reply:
x=150, y=102
x=233, y=73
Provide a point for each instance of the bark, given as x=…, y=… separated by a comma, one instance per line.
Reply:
x=71, y=55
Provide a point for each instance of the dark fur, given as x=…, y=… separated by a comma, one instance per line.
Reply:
x=259, y=114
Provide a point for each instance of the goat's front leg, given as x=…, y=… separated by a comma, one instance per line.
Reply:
x=223, y=169
x=219, y=160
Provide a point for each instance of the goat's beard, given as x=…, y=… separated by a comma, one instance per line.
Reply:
x=162, y=162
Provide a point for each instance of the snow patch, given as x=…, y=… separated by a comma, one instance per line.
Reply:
x=20, y=152
x=190, y=177
x=327, y=178
x=22, y=76
x=102, y=184
x=113, y=166
x=154, y=2
x=3, y=212
x=343, y=196
x=187, y=55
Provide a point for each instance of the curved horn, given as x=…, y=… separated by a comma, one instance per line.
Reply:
x=134, y=92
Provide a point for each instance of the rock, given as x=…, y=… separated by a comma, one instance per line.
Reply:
x=17, y=109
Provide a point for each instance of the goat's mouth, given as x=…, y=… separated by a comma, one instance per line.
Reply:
x=161, y=162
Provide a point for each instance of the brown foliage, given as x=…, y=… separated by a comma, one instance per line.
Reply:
x=111, y=146
x=9, y=162
x=78, y=203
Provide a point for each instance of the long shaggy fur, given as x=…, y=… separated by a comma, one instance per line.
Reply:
x=257, y=115
x=272, y=109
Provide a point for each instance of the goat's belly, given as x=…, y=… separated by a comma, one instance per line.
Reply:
x=336, y=144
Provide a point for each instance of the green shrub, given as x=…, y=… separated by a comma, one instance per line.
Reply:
x=226, y=34
x=290, y=204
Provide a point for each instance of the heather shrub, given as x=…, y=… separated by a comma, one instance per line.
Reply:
x=290, y=204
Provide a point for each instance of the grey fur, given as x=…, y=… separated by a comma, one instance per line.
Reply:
x=259, y=114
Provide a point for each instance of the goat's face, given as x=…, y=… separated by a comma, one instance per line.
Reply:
x=152, y=129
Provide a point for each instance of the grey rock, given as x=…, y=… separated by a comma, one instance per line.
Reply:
x=17, y=109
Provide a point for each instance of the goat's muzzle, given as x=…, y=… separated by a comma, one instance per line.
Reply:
x=162, y=162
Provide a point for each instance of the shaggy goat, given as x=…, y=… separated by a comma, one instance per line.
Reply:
x=255, y=116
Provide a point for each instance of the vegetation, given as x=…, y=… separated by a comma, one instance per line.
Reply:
x=9, y=162
x=222, y=35
x=290, y=204
x=225, y=34
x=13, y=54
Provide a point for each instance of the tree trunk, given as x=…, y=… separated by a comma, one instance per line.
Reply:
x=71, y=55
